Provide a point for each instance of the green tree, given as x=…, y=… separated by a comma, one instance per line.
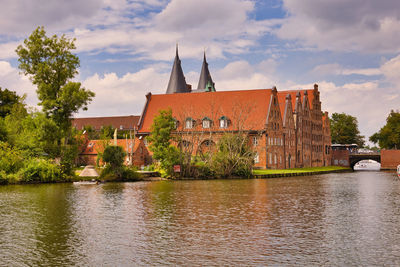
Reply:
x=51, y=66
x=233, y=157
x=33, y=133
x=107, y=132
x=161, y=141
x=114, y=156
x=344, y=130
x=389, y=135
x=7, y=100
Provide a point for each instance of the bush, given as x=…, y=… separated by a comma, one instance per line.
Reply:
x=114, y=156
x=124, y=174
x=10, y=158
x=40, y=170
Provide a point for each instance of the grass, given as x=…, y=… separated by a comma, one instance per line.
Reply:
x=300, y=170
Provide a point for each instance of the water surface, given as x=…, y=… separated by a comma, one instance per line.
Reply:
x=349, y=219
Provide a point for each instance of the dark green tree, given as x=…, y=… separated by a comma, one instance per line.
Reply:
x=51, y=66
x=344, y=130
x=114, y=156
x=7, y=100
x=161, y=141
x=389, y=135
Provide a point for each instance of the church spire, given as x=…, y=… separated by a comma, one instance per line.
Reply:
x=177, y=82
x=205, y=82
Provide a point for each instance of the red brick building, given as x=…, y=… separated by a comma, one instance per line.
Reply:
x=117, y=122
x=140, y=153
x=287, y=128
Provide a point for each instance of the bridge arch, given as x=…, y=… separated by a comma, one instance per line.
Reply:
x=354, y=158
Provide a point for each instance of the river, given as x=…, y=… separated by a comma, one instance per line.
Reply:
x=347, y=219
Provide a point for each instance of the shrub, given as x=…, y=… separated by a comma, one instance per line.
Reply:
x=41, y=170
x=10, y=158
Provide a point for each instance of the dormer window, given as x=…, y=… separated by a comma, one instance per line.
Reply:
x=223, y=122
x=189, y=123
x=206, y=123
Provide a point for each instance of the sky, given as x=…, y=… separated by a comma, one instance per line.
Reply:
x=350, y=48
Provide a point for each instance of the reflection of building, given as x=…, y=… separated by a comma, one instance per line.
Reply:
x=286, y=128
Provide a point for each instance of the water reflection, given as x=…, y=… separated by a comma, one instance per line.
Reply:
x=336, y=219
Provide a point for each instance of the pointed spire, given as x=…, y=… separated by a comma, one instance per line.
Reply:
x=177, y=81
x=205, y=82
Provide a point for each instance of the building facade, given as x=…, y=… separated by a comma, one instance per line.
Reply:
x=287, y=129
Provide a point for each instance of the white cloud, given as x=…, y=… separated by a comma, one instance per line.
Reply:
x=337, y=69
x=357, y=25
x=391, y=70
x=12, y=80
x=123, y=95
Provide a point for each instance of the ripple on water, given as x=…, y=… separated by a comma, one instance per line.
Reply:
x=335, y=219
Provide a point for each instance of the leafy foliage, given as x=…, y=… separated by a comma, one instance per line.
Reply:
x=7, y=101
x=161, y=141
x=11, y=159
x=114, y=157
x=51, y=66
x=41, y=170
x=233, y=157
x=389, y=135
x=344, y=130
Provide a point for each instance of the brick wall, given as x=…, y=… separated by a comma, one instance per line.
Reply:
x=340, y=158
x=390, y=159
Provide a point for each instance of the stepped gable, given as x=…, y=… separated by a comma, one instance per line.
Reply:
x=310, y=95
x=177, y=81
x=206, y=83
x=127, y=122
x=250, y=104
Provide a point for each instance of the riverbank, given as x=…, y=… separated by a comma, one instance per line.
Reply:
x=298, y=171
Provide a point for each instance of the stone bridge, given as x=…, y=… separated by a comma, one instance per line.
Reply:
x=356, y=157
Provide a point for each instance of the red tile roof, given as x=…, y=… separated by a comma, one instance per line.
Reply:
x=248, y=106
x=127, y=122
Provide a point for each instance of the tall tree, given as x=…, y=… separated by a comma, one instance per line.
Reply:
x=389, y=135
x=161, y=140
x=344, y=130
x=51, y=66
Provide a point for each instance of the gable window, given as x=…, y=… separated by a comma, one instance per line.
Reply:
x=223, y=122
x=206, y=123
x=189, y=123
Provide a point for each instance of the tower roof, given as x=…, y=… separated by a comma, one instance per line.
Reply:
x=177, y=82
x=205, y=82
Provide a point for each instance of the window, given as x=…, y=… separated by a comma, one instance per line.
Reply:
x=270, y=158
x=256, y=158
x=189, y=123
x=255, y=141
x=223, y=122
x=206, y=123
